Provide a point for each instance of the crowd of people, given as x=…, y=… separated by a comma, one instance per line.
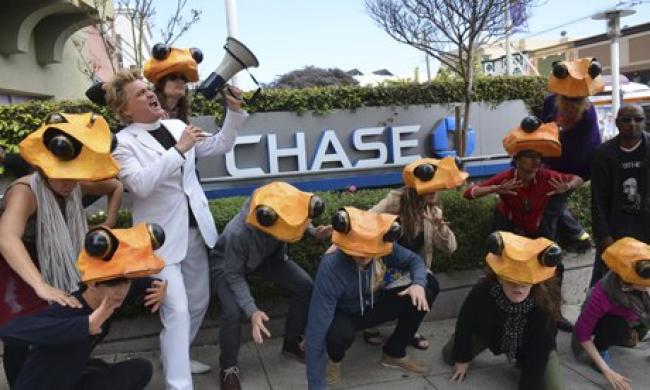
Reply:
x=61, y=280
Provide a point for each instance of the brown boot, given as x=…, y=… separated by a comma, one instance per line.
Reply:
x=229, y=379
x=333, y=374
x=406, y=363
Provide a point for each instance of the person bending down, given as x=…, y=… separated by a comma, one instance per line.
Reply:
x=512, y=311
x=346, y=296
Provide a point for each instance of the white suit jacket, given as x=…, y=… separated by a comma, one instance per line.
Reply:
x=160, y=181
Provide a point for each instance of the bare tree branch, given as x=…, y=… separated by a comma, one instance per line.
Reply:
x=169, y=34
x=451, y=31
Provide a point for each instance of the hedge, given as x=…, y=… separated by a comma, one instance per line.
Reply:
x=16, y=121
x=469, y=220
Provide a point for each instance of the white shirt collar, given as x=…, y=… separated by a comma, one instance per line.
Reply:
x=148, y=126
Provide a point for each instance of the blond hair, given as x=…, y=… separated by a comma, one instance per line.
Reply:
x=115, y=94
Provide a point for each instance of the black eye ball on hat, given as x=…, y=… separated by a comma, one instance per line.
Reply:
x=61, y=145
x=100, y=243
x=341, y=221
x=530, y=123
x=424, y=172
x=595, y=69
x=551, y=256
x=160, y=51
x=394, y=233
x=197, y=54
x=157, y=235
x=560, y=70
x=316, y=206
x=494, y=243
x=265, y=215
x=642, y=268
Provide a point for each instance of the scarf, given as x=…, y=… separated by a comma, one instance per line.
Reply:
x=513, y=328
x=636, y=300
x=58, y=238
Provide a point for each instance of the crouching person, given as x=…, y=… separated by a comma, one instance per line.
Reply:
x=114, y=266
x=347, y=295
x=513, y=311
x=255, y=243
x=617, y=310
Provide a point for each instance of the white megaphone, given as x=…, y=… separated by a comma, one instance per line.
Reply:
x=237, y=57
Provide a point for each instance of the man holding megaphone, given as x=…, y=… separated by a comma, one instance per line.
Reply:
x=157, y=159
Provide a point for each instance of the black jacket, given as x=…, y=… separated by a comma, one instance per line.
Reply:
x=605, y=192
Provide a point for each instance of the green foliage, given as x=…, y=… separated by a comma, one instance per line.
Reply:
x=311, y=76
x=16, y=121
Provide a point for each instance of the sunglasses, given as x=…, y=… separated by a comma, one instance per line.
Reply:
x=629, y=119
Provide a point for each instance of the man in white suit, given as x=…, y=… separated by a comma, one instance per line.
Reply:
x=157, y=159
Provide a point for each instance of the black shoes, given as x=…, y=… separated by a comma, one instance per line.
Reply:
x=294, y=350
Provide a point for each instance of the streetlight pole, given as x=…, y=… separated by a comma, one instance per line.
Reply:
x=613, y=18
x=508, y=28
x=232, y=24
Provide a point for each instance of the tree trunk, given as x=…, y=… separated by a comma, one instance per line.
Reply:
x=468, y=83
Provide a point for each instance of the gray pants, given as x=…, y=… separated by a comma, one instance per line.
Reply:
x=285, y=274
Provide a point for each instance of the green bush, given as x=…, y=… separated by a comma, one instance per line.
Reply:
x=16, y=121
x=469, y=220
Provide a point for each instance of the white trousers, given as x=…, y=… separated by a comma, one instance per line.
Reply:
x=182, y=311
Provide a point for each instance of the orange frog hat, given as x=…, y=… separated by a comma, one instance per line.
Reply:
x=166, y=60
x=365, y=233
x=579, y=78
x=520, y=259
x=283, y=211
x=428, y=175
x=121, y=253
x=72, y=146
x=531, y=134
x=629, y=258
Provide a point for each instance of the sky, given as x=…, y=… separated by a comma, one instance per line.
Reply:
x=290, y=34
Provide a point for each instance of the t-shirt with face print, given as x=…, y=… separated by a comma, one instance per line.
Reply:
x=632, y=185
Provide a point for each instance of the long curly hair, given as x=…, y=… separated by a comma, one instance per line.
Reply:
x=411, y=212
x=182, y=109
x=570, y=110
x=545, y=294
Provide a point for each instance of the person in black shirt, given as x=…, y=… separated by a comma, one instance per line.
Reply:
x=61, y=338
x=513, y=311
x=619, y=196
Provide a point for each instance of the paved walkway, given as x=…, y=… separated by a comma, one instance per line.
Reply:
x=263, y=367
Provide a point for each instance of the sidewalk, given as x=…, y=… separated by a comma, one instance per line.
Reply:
x=263, y=367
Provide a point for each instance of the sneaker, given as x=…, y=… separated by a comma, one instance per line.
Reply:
x=199, y=368
x=581, y=245
x=406, y=363
x=564, y=325
x=229, y=379
x=333, y=373
x=294, y=350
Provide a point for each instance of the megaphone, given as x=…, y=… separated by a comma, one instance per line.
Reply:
x=237, y=57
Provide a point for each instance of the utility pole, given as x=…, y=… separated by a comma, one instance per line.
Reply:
x=232, y=24
x=613, y=18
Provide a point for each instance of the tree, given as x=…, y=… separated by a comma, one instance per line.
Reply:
x=450, y=31
x=140, y=14
x=311, y=76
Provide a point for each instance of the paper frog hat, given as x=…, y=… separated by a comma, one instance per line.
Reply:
x=428, y=175
x=629, y=258
x=283, y=211
x=166, y=60
x=365, y=233
x=531, y=134
x=579, y=78
x=72, y=146
x=121, y=253
x=520, y=259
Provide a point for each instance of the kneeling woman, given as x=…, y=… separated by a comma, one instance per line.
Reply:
x=513, y=311
x=617, y=311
